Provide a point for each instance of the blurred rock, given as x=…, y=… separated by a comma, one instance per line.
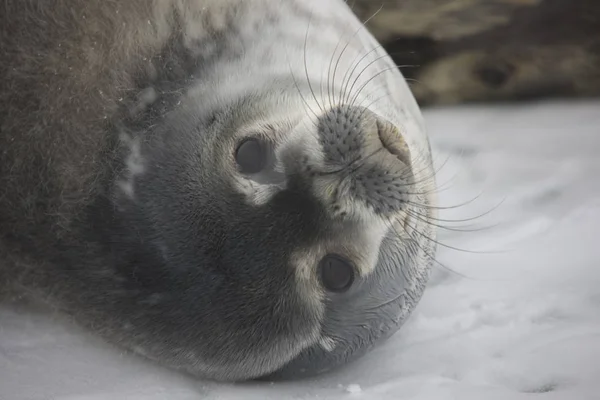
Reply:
x=490, y=50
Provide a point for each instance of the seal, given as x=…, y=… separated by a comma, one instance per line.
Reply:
x=234, y=189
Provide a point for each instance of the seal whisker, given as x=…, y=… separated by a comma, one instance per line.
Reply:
x=429, y=255
x=352, y=165
x=385, y=303
x=304, y=60
x=419, y=159
x=369, y=81
x=368, y=97
x=376, y=89
x=411, y=81
x=423, y=218
x=378, y=86
x=427, y=179
x=436, y=171
x=441, y=208
x=399, y=66
x=307, y=106
x=364, y=160
x=392, y=67
x=345, y=85
x=465, y=219
x=363, y=26
x=414, y=229
x=330, y=89
x=438, y=188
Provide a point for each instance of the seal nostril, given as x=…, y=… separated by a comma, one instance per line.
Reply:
x=393, y=142
x=337, y=273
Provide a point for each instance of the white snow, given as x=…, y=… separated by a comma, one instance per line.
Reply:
x=519, y=320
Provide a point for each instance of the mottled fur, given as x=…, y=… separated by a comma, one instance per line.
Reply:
x=120, y=202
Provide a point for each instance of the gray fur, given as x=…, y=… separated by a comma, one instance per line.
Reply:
x=122, y=207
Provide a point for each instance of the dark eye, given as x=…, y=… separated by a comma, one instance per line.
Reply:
x=251, y=155
x=337, y=273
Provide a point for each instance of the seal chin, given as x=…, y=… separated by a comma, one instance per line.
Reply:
x=371, y=311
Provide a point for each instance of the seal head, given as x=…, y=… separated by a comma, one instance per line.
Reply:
x=293, y=255
x=177, y=193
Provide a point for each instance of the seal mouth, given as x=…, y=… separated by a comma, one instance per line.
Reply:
x=392, y=141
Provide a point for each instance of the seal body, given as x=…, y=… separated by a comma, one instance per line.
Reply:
x=236, y=189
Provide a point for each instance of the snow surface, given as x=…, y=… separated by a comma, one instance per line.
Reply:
x=519, y=320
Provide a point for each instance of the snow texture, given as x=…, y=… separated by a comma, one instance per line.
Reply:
x=518, y=320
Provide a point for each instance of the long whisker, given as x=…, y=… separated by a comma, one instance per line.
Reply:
x=306, y=105
x=470, y=218
x=357, y=167
x=430, y=178
x=424, y=219
x=329, y=70
x=369, y=81
x=414, y=229
x=437, y=207
x=433, y=175
x=348, y=43
x=345, y=86
x=428, y=254
x=365, y=69
x=377, y=87
x=352, y=164
x=417, y=161
x=385, y=303
x=306, y=67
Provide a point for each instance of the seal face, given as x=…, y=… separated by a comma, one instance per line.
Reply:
x=206, y=206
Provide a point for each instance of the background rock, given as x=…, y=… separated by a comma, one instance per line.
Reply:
x=485, y=50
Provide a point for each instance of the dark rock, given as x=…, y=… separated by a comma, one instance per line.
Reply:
x=491, y=50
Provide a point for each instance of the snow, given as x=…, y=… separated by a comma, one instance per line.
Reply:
x=519, y=318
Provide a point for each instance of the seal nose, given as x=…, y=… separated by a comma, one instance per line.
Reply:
x=348, y=132
x=371, y=160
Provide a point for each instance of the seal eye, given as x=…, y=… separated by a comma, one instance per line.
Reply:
x=337, y=273
x=251, y=156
